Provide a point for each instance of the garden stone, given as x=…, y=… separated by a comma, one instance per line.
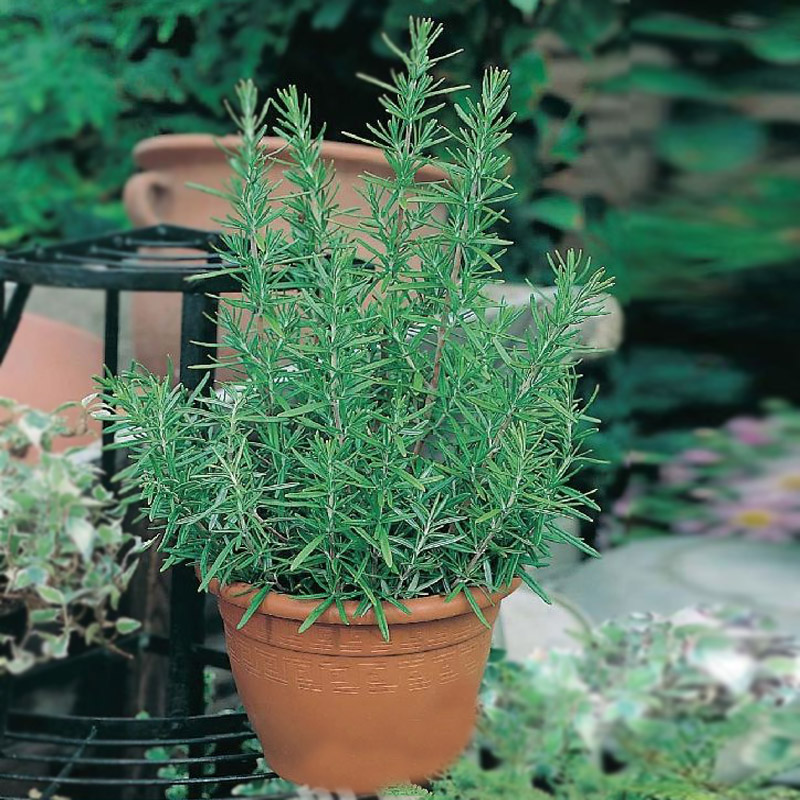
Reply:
x=666, y=574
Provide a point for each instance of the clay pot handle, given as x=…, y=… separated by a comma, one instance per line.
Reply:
x=143, y=194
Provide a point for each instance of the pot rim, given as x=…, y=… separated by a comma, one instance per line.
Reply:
x=192, y=143
x=423, y=609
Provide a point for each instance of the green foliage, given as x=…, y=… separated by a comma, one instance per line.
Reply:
x=87, y=80
x=718, y=138
x=711, y=193
x=387, y=435
x=685, y=245
x=654, y=382
x=64, y=557
x=467, y=781
x=715, y=142
x=702, y=706
x=407, y=791
x=83, y=82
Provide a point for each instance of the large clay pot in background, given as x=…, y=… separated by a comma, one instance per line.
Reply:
x=50, y=363
x=337, y=707
x=159, y=194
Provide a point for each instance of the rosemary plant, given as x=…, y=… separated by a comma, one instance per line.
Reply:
x=387, y=436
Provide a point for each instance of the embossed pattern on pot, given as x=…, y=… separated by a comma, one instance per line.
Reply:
x=405, y=673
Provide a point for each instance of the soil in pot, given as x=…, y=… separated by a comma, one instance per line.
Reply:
x=338, y=707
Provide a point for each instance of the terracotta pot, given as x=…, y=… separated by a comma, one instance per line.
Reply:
x=159, y=194
x=337, y=707
x=50, y=363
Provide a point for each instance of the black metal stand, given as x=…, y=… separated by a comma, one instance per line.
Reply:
x=112, y=758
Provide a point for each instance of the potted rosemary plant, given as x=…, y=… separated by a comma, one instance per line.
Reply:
x=65, y=559
x=390, y=460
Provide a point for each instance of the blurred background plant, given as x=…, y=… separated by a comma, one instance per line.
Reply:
x=65, y=559
x=659, y=135
x=706, y=143
x=699, y=706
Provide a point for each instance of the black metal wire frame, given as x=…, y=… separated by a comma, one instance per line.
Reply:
x=121, y=757
x=107, y=758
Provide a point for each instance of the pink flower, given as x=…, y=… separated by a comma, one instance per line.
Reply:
x=785, y=476
x=778, y=479
x=677, y=474
x=749, y=430
x=691, y=526
x=767, y=518
x=699, y=456
x=706, y=493
x=624, y=505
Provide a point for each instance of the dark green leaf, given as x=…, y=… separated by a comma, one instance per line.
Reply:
x=318, y=611
x=254, y=605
